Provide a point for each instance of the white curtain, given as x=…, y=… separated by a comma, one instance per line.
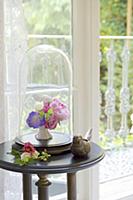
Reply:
x=13, y=44
x=15, y=47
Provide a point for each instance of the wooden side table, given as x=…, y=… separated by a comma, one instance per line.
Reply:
x=63, y=163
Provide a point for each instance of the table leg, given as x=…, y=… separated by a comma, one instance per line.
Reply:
x=71, y=186
x=27, y=187
x=43, y=184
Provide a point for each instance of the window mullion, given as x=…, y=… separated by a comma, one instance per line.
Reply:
x=86, y=83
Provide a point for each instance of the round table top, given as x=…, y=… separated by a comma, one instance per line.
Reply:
x=63, y=163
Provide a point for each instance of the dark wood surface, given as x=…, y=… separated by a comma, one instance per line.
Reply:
x=63, y=163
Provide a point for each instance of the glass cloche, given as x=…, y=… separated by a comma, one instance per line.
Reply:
x=45, y=72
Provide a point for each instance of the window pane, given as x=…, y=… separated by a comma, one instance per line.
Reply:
x=49, y=22
x=113, y=14
x=116, y=97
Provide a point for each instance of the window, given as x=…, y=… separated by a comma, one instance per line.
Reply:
x=116, y=98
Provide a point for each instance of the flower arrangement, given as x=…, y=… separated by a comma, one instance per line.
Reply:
x=48, y=114
x=29, y=154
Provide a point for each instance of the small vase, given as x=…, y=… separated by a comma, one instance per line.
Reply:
x=43, y=134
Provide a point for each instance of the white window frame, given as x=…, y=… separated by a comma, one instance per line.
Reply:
x=86, y=84
x=2, y=73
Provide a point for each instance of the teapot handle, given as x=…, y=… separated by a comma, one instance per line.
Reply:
x=88, y=134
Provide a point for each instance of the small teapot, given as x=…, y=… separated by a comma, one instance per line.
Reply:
x=80, y=147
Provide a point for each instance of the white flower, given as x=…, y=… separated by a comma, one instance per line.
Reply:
x=38, y=106
x=25, y=156
x=35, y=155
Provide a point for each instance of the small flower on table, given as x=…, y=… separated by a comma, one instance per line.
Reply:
x=29, y=155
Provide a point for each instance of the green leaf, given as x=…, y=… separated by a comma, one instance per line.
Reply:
x=44, y=156
x=41, y=113
x=16, y=153
x=19, y=161
x=50, y=111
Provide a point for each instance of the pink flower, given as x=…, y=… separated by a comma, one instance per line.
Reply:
x=55, y=103
x=61, y=111
x=46, y=107
x=52, y=122
x=61, y=114
x=29, y=148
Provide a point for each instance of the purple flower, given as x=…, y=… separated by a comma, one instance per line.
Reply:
x=35, y=120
